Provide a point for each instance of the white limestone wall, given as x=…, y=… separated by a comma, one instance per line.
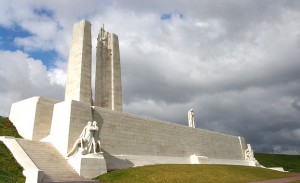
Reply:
x=32, y=117
x=69, y=119
x=130, y=140
x=128, y=134
x=43, y=118
x=22, y=115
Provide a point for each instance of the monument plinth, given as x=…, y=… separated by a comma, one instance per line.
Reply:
x=89, y=166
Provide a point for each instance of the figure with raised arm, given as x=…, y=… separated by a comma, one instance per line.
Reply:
x=96, y=138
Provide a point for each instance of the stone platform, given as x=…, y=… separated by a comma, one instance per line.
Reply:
x=89, y=166
x=130, y=140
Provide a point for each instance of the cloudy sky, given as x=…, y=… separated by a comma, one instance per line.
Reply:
x=236, y=63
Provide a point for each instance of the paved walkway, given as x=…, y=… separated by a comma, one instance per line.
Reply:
x=283, y=180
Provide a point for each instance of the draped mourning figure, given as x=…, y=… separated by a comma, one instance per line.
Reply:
x=191, y=118
x=88, y=141
x=249, y=154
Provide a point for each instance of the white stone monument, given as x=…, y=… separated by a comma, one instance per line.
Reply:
x=78, y=85
x=75, y=126
x=249, y=154
x=86, y=157
x=191, y=118
x=108, y=87
x=249, y=157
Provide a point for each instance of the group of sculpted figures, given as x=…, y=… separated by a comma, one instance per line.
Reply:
x=88, y=141
x=102, y=36
x=249, y=154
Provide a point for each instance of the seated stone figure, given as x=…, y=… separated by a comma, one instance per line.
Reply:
x=88, y=141
x=84, y=142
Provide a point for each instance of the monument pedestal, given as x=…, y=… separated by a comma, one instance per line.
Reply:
x=88, y=166
x=254, y=163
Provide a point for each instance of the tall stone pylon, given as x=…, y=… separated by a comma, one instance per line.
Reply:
x=108, y=87
x=78, y=85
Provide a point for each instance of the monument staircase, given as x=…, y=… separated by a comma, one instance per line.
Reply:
x=49, y=160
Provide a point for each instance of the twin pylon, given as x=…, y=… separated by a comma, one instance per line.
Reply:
x=108, y=87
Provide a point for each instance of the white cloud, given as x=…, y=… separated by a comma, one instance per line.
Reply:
x=57, y=76
x=23, y=77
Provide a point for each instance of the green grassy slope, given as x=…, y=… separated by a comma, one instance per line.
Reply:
x=288, y=162
x=10, y=170
x=192, y=174
x=7, y=128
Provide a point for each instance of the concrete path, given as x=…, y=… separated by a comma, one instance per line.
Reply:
x=283, y=180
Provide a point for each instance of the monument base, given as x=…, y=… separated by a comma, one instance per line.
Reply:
x=116, y=162
x=32, y=117
x=253, y=162
x=88, y=166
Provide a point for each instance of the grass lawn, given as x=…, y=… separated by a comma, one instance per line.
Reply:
x=290, y=163
x=192, y=174
x=10, y=170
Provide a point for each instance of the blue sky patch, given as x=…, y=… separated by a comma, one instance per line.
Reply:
x=47, y=57
x=166, y=16
x=43, y=12
x=169, y=16
x=7, y=36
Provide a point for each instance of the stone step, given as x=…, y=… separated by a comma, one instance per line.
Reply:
x=48, y=159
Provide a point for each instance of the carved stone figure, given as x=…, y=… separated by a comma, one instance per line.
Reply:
x=88, y=141
x=102, y=37
x=83, y=144
x=249, y=154
x=191, y=118
x=96, y=139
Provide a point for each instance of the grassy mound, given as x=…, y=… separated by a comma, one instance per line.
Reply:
x=10, y=170
x=290, y=163
x=192, y=174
